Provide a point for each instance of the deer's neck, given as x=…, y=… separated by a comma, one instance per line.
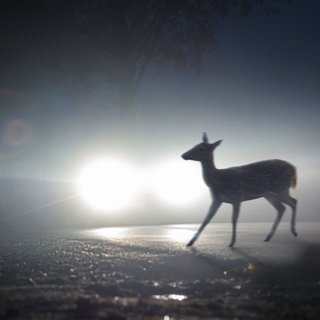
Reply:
x=209, y=171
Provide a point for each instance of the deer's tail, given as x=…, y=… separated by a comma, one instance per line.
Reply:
x=294, y=177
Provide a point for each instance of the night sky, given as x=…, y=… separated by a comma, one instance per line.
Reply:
x=259, y=91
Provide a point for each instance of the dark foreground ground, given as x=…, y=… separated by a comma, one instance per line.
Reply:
x=148, y=273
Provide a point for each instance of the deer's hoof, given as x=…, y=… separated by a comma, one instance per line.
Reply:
x=294, y=233
x=267, y=238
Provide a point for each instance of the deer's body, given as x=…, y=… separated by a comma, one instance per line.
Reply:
x=270, y=179
x=251, y=181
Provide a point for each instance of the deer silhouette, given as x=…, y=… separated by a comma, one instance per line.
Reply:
x=269, y=179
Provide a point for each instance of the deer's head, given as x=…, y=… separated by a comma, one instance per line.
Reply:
x=201, y=151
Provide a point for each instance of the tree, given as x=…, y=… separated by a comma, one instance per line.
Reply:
x=133, y=34
x=70, y=43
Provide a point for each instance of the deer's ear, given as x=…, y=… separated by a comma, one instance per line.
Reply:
x=215, y=144
x=205, y=138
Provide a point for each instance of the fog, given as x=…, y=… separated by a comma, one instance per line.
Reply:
x=258, y=91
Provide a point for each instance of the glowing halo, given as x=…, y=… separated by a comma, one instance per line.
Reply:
x=108, y=184
x=177, y=183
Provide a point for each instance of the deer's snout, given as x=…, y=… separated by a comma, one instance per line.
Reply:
x=185, y=156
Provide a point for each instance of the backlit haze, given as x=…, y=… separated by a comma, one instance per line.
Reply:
x=259, y=91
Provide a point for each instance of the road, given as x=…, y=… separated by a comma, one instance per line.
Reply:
x=147, y=273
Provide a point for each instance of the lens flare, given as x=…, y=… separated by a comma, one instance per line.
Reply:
x=16, y=132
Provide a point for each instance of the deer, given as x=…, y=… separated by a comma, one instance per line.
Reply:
x=269, y=179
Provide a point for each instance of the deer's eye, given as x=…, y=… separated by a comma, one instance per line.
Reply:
x=201, y=149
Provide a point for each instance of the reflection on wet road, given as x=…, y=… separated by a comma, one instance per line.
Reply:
x=214, y=240
x=147, y=272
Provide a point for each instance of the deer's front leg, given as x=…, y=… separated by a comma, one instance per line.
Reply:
x=213, y=209
x=235, y=216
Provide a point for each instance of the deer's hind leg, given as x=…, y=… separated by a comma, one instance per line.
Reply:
x=280, y=210
x=292, y=203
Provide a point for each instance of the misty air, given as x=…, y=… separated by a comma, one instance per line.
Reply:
x=159, y=159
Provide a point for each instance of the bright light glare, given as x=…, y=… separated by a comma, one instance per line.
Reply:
x=113, y=185
x=177, y=182
x=110, y=232
x=180, y=235
x=108, y=184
